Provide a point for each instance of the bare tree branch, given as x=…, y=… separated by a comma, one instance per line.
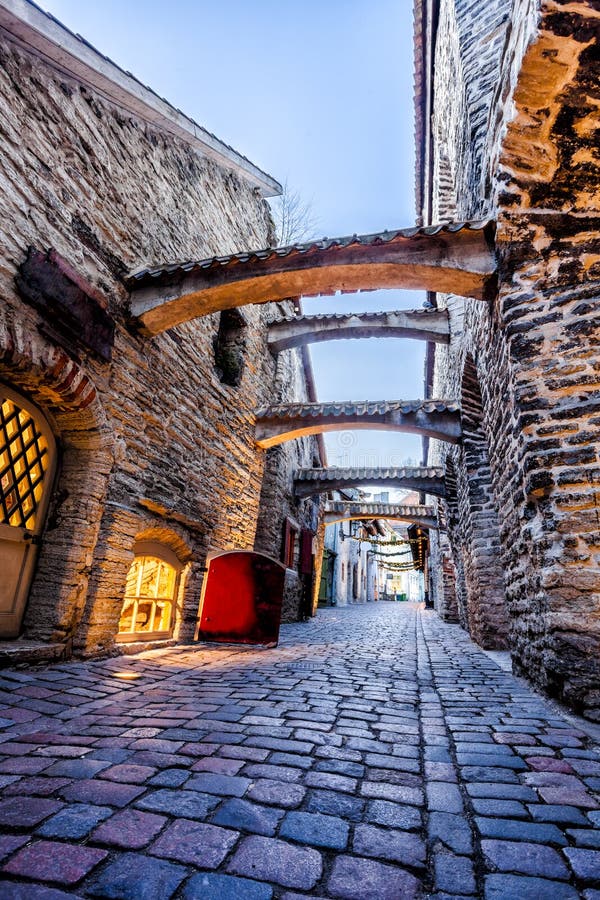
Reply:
x=295, y=220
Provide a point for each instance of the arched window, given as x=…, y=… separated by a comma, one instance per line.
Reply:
x=150, y=593
x=26, y=455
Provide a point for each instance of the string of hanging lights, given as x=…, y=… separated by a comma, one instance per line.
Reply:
x=396, y=543
x=382, y=554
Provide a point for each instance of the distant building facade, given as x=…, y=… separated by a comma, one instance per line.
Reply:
x=349, y=572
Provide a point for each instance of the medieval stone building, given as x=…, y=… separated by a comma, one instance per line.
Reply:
x=507, y=132
x=125, y=458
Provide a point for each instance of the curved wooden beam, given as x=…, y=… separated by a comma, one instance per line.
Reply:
x=455, y=258
x=345, y=511
x=429, y=480
x=439, y=419
x=424, y=324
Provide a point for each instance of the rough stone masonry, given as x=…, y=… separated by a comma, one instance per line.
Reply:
x=156, y=440
x=156, y=434
x=507, y=114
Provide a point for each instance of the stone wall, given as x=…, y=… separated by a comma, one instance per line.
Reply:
x=468, y=52
x=442, y=578
x=154, y=442
x=533, y=165
x=549, y=305
x=471, y=37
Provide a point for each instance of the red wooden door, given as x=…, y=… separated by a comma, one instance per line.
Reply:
x=241, y=599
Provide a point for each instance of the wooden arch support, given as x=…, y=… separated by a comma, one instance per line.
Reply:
x=439, y=419
x=347, y=511
x=425, y=479
x=456, y=258
x=423, y=324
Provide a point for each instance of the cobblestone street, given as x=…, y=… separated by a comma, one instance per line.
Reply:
x=377, y=753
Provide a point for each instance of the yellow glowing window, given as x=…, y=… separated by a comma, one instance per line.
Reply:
x=150, y=592
x=24, y=462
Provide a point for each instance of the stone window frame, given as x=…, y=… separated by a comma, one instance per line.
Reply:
x=164, y=553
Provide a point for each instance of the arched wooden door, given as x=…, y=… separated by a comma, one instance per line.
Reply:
x=241, y=600
x=27, y=467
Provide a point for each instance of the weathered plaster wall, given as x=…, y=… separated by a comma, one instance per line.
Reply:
x=354, y=572
x=155, y=441
x=535, y=350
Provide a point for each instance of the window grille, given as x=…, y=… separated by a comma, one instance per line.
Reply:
x=24, y=462
x=150, y=592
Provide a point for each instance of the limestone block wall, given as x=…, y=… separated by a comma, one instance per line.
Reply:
x=534, y=350
x=475, y=45
x=469, y=48
x=154, y=440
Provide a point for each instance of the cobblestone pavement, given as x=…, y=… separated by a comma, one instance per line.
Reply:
x=377, y=753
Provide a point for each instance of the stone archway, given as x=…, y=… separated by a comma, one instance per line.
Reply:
x=422, y=479
x=297, y=331
x=121, y=530
x=67, y=396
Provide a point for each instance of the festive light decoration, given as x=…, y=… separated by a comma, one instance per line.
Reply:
x=381, y=554
x=375, y=543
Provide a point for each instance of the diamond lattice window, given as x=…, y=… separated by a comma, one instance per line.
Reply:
x=24, y=461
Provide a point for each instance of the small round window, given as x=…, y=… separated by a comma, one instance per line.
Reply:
x=150, y=594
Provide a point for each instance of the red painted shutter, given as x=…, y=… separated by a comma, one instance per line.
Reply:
x=306, y=554
x=285, y=544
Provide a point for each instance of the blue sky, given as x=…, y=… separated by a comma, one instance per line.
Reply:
x=318, y=93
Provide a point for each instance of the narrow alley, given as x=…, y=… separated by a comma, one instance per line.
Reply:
x=377, y=753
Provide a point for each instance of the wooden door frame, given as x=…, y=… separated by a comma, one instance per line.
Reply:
x=11, y=621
